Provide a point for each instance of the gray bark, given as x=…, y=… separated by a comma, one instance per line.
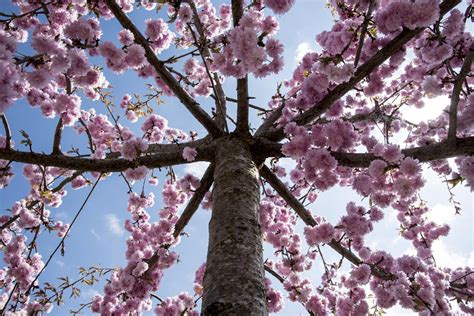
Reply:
x=234, y=279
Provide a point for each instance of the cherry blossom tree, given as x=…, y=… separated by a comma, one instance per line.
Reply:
x=337, y=119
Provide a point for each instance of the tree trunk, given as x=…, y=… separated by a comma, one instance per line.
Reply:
x=234, y=279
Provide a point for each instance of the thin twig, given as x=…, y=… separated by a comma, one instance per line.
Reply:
x=65, y=235
x=191, y=104
x=8, y=133
x=363, y=32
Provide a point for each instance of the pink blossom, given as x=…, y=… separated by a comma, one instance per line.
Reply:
x=126, y=37
x=361, y=274
x=140, y=268
x=136, y=173
x=322, y=233
x=392, y=153
x=135, y=57
x=189, y=154
x=377, y=168
x=279, y=6
x=133, y=148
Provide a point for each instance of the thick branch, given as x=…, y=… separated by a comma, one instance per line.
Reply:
x=364, y=70
x=242, y=83
x=453, y=108
x=190, y=209
x=267, y=124
x=242, y=106
x=205, y=153
x=195, y=200
x=164, y=74
x=436, y=151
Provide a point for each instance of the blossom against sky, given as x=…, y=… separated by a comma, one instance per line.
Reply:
x=98, y=237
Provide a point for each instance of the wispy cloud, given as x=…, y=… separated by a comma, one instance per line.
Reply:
x=95, y=234
x=301, y=50
x=113, y=224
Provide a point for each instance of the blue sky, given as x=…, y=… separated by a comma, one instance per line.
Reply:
x=98, y=236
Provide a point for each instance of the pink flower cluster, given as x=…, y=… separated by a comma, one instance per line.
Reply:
x=274, y=298
x=159, y=34
x=394, y=15
x=249, y=47
x=189, y=154
x=148, y=255
x=279, y=6
x=11, y=85
x=182, y=304
x=6, y=174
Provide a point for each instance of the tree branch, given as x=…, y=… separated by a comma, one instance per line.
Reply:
x=217, y=86
x=267, y=124
x=453, y=108
x=8, y=133
x=364, y=70
x=242, y=83
x=193, y=205
x=57, y=138
x=65, y=235
x=363, y=32
x=33, y=203
x=274, y=273
x=164, y=74
x=242, y=106
x=205, y=153
x=253, y=106
x=308, y=219
x=88, y=133
x=442, y=150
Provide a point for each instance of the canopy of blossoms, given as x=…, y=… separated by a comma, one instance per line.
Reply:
x=335, y=119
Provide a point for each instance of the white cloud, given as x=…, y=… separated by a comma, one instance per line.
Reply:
x=197, y=168
x=60, y=263
x=302, y=50
x=441, y=214
x=445, y=257
x=113, y=224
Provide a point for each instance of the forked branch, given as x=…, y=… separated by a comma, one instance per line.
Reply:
x=191, y=104
x=363, y=71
